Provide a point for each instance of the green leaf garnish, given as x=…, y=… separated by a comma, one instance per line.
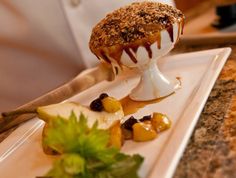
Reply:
x=85, y=151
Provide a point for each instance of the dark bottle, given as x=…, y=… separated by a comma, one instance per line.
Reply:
x=226, y=11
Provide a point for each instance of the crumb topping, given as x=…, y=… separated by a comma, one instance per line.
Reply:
x=133, y=22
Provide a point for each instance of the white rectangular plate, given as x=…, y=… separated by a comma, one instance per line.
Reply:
x=21, y=153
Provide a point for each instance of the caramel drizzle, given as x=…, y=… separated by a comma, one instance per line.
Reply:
x=115, y=66
x=116, y=70
x=171, y=33
x=159, y=40
x=130, y=51
x=148, y=49
x=179, y=26
x=130, y=54
x=182, y=26
x=98, y=57
x=104, y=57
x=134, y=49
x=130, y=106
x=117, y=56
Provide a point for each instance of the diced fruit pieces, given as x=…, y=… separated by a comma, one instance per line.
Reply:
x=111, y=104
x=147, y=122
x=116, y=136
x=143, y=132
x=145, y=118
x=128, y=134
x=128, y=124
x=96, y=105
x=160, y=122
x=107, y=103
x=103, y=95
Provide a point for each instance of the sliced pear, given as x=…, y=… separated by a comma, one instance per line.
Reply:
x=109, y=121
x=47, y=150
x=105, y=119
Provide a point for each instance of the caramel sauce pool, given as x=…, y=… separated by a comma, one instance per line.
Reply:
x=130, y=106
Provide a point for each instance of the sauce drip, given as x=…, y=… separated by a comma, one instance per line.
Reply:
x=182, y=27
x=180, y=82
x=98, y=57
x=171, y=33
x=159, y=40
x=130, y=106
x=148, y=49
x=134, y=49
x=178, y=34
x=132, y=57
x=116, y=70
x=104, y=56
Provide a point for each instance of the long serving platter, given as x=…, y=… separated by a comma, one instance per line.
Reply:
x=197, y=71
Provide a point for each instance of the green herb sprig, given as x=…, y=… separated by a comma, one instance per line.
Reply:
x=84, y=151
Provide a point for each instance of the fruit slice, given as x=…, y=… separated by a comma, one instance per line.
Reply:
x=105, y=119
x=160, y=122
x=111, y=104
x=46, y=149
x=143, y=132
x=116, y=136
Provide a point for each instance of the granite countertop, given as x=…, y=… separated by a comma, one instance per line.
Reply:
x=211, y=151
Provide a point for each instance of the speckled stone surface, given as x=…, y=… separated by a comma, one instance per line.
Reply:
x=211, y=151
x=207, y=144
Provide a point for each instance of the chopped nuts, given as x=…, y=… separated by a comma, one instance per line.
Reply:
x=128, y=24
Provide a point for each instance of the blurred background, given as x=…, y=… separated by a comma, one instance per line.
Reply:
x=44, y=44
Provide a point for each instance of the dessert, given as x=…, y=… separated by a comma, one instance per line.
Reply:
x=105, y=120
x=85, y=136
x=146, y=128
x=136, y=36
x=85, y=151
